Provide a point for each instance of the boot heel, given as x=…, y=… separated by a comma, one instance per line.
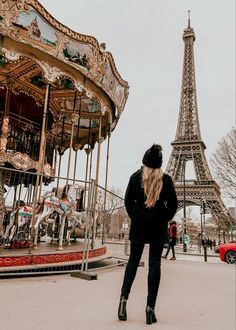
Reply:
x=150, y=316
x=122, y=313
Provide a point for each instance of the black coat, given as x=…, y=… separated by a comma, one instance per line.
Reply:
x=150, y=225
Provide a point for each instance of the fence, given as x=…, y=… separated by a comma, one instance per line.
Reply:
x=59, y=223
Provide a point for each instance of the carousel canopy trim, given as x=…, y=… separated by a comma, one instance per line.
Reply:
x=28, y=22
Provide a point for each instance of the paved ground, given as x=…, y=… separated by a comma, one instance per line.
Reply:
x=193, y=295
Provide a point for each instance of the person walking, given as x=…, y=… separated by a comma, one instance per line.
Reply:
x=151, y=202
x=172, y=240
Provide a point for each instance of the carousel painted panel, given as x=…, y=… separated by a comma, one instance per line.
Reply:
x=105, y=77
x=32, y=26
x=79, y=53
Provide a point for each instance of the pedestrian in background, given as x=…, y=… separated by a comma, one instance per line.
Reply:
x=151, y=203
x=172, y=240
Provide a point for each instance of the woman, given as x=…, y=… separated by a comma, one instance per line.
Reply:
x=151, y=202
x=172, y=240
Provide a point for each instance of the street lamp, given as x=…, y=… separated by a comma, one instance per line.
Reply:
x=202, y=211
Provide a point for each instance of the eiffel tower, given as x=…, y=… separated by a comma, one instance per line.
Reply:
x=188, y=146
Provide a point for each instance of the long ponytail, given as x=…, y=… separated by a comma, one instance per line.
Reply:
x=152, y=184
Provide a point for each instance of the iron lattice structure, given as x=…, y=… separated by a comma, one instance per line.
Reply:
x=188, y=146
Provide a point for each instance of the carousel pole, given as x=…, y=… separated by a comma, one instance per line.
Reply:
x=89, y=177
x=75, y=164
x=105, y=194
x=43, y=156
x=19, y=193
x=96, y=180
x=60, y=154
x=29, y=194
x=87, y=150
x=5, y=126
x=77, y=141
x=90, y=165
x=14, y=198
x=40, y=186
x=41, y=161
x=58, y=172
x=73, y=118
x=55, y=152
x=3, y=144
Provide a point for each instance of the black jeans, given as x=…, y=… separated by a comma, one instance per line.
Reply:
x=154, y=271
x=172, y=247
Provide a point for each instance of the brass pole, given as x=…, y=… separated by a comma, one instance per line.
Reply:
x=77, y=141
x=71, y=140
x=58, y=173
x=14, y=198
x=55, y=149
x=40, y=186
x=96, y=180
x=29, y=193
x=87, y=150
x=41, y=154
x=90, y=164
x=5, y=122
x=75, y=163
x=59, y=166
x=19, y=193
x=90, y=176
x=105, y=194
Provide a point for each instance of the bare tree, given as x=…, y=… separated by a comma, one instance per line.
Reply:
x=223, y=161
x=113, y=205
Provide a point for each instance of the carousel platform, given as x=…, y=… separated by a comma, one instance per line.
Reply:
x=47, y=259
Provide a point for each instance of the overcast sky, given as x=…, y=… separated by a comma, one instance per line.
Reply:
x=145, y=38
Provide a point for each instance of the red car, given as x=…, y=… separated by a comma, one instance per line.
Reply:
x=228, y=252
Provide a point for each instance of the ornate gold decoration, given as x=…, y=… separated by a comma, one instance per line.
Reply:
x=47, y=170
x=3, y=139
x=101, y=70
x=21, y=161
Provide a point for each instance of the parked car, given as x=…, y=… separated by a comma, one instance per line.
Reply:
x=217, y=248
x=228, y=252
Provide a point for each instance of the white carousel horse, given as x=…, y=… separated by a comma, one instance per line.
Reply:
x=74, y=222
x=18, y=219
x=64, y=206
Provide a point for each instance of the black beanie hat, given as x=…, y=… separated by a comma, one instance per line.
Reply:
x=153, y=157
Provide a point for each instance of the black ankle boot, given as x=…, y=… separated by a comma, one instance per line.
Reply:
x=122, y=314
x=150, y=315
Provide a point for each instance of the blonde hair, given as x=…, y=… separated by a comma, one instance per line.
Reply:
x=152, y=184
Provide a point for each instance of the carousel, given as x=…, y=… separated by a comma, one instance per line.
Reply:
x=61, y=96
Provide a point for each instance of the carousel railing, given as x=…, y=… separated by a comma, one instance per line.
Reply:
x=24, y=137
x=96, y=214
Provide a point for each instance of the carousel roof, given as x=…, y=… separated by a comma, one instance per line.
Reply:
x=35, y=49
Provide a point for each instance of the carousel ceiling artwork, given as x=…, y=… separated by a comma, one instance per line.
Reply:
x=86, y=97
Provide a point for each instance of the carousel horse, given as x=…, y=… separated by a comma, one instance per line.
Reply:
x=19, y=221
x=75, y=225
x=64, y=206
